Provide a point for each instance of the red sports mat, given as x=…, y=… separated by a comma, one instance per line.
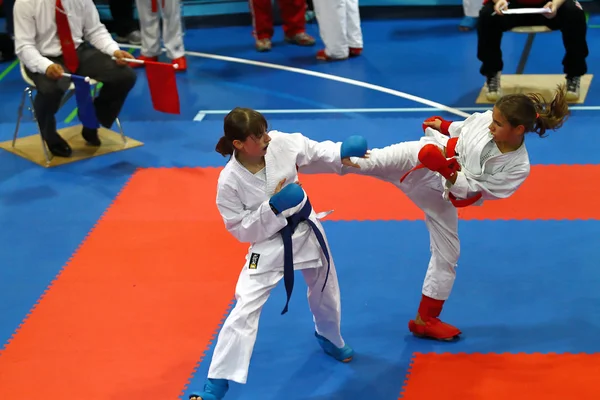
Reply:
x=502, y=377
x=137, y=305
x=135, y=308
x=551, y=192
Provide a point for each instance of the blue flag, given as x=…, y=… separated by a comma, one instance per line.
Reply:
x=85, y=102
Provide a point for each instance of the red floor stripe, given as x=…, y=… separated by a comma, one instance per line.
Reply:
x=552, y=192
x=134, y=309
x=502, y=377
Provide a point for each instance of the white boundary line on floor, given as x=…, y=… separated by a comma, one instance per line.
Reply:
x=434, y=105
x=321, y=75
x=203, y=113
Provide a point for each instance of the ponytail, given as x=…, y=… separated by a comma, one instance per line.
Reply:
x=224, y=147
x=553, y=115
x=534, y=112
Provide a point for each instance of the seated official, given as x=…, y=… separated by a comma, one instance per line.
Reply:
x=50, y=39
x=566, y=16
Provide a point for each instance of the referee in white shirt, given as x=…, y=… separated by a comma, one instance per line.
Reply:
x=38, y=47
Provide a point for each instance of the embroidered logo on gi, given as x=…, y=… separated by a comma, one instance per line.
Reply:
x=254, y=261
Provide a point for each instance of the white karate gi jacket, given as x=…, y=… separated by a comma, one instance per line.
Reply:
x=243, y=201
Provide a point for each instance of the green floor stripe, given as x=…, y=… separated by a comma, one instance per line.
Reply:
x=8, y=69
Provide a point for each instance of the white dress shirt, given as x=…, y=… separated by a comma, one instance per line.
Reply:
x=36, y=36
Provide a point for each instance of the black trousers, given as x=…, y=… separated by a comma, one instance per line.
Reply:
x=117, y=82
x=122, y=13
x=7, y=8
x=570, y=20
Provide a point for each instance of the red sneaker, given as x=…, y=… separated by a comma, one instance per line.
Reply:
x=181, y=64
x=321, y=55
x=355, y=51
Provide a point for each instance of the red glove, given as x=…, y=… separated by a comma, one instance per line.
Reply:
x=444, y=127
x=433, y=158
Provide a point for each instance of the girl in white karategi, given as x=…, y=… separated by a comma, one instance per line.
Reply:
x=261, y=203
x=454, y=165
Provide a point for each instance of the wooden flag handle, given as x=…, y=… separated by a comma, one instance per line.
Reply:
x=66, y=75
x=135, y=60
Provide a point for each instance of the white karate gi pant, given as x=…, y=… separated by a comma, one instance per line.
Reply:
x=425, y=189
x=339, y=26
x=235, y=343
x=172, y=34
x=472, y=7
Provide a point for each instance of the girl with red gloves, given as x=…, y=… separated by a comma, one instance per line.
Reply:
x=457, y=164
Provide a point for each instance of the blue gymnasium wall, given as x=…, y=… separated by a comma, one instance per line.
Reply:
x=198, y=8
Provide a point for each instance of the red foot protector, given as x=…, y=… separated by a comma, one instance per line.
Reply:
x=433, y=327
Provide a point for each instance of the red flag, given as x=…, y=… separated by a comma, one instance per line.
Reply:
x=163, y=87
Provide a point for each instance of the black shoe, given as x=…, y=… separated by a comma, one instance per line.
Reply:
x=493, y=87
x=60, y=149
x=91, y=136
x=57, y=145
x=573, y=87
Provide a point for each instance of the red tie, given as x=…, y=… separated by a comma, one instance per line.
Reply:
x=66, y=39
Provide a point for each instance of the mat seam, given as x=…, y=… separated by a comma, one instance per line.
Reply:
x=407, y=377
x=68, y=262
x=210, y=343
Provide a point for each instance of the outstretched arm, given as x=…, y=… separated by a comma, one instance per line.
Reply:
x=326, y=157
x=455, y=128
x=446, y=127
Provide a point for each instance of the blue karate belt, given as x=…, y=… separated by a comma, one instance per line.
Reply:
x=288, y=252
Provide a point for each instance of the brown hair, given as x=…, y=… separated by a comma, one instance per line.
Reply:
x=238, y=125
x=534, y=112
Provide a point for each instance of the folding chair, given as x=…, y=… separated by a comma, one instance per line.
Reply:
x=28, y=92
x=531, y=31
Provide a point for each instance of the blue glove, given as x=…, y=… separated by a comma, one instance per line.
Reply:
x=288, y=197
x=354, y=146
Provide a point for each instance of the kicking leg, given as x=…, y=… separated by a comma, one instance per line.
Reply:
x=389, y=163
x=441, y=218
